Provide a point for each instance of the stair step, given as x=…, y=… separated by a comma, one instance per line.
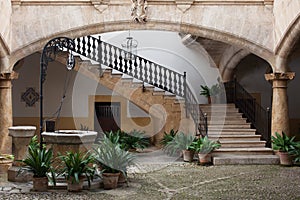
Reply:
x=227, y=133
x=227, y=121
x=218, y=105
x=243, y=151
x=234, y=137
x=246, y=160
x=233, y=129
x=228, y=126
x=242, y=144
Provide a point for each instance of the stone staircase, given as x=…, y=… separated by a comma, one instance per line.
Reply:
x=172, y=107
x=240, y=144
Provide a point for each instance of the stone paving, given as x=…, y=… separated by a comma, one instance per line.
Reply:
x=180, y=180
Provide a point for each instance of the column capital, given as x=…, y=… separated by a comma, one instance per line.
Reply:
x=280, y=76
x=9, y=75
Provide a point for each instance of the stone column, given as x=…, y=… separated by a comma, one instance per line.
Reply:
x=6, y=110
x=280, y=115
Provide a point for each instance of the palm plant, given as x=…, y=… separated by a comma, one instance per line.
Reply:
x=168, y=137
x=180, y=142
x=76, y=165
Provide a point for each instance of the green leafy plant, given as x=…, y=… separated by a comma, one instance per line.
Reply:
x=203, y=145
x=180, y=142
x=111, y=157
x=282, y=142
x=6, y=157
x=76, y=164
x=134, y=140
x=168, y=137
x=38, y=161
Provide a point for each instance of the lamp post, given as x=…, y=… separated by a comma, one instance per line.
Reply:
x=50, y=50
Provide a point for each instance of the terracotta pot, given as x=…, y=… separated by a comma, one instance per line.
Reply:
x=110, y=180
x=188, y=156
x=204, y=158
x=74, y=186
x=4, y=165
x=285, y=158
x=40, y=184
x=122, y=179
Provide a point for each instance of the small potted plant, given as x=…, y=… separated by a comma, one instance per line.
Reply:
x=76, y=168
x=284, y=144
x=113, y=161
x=39, y=162
x=210, y=93
x=204, y=146
x=181, y=143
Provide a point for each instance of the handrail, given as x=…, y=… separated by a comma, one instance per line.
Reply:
x=141, y=69
x=259, y=117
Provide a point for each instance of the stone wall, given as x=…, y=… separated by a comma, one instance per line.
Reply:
x=247, y=24
x=5, y=27
x=285, y=12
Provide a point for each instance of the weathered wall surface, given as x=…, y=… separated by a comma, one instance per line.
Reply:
x=5, y=28
x=245, y=25
x=286, y=13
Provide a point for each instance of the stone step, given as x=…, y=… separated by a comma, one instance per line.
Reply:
x=228, y=126
x=218, y=105
x=224, y=132
x=242, y=143
x=245, y=137
x=246, y=160
x=227, y=121
x=243, y=151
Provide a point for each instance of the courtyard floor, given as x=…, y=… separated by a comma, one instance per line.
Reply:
x=182, y=181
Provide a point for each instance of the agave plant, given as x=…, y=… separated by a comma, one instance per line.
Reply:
x=203, y=145
x=180, y=142
x=38, y=160
x=168, y=137
x=76, y=164
x=112, y=158
x=283, y=143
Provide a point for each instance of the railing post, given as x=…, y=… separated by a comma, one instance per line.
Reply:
x=100, y=56
x=268, y=132
x=206, y=125
x=185, y=93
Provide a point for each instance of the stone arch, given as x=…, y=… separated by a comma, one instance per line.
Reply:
x=151, y=25
x=286, y=45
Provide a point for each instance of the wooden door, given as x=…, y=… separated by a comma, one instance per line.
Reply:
x=108, y=115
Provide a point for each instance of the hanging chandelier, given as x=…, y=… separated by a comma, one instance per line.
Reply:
x=130, y=47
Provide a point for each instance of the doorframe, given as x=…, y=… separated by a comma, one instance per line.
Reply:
x=104, y=99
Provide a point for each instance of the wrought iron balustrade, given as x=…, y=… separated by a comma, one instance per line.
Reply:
x=141, y=69
x=259, y=117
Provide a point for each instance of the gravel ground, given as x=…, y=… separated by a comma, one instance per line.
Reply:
x=189, y=181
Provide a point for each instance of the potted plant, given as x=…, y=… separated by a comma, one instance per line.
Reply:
x=204, y=146
x=181, y=143
x=38, y=161
x=76, y=168
x=284, y=144
x=113, y=161
x=168, y=137
x=6, y=161
x=210, y=93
